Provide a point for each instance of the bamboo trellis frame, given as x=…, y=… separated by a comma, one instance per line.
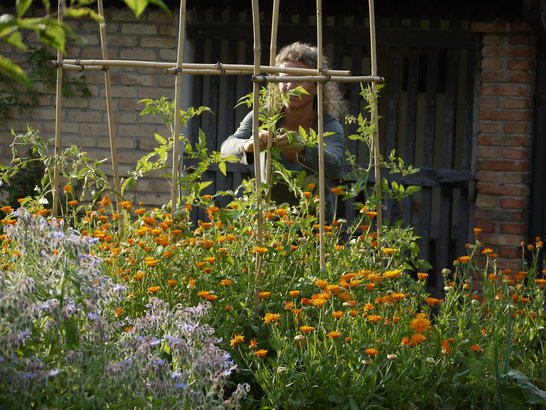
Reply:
x=318, y=75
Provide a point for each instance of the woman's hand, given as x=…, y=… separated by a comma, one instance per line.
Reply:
x=290, y=143
x=249, y=144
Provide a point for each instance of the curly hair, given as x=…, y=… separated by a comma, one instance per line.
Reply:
x=307, y=54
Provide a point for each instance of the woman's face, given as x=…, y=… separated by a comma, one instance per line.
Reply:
x=304, y=99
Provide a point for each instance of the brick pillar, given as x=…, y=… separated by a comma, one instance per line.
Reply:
x=505, y=138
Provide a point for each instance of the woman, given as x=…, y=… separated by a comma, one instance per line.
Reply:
x=298, y=111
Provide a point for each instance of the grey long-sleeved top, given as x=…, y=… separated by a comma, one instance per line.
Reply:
x=333, y=157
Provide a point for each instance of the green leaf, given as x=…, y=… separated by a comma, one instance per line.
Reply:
x=83, y=12
x=14, y=71
x=22, y=7
x=222, y=167
x=138, y=6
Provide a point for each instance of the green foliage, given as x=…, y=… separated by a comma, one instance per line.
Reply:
x=11, y=94
x=49, y=30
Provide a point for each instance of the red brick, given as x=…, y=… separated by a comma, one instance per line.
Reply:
x=486, y=202
x=489, y=102
x=487, y=176
x=516, y=128
x=485, y=226
x=494, y=239
x=513, y=203
x=488, y=153
x=507, y=51
x=520, y=64
x=489, y=127
x=515, y=153
x=503, y=165
x=513, y=228
x=506, y=90
x=489, y=27
x=517, y=103
x=501, y=190
x=492, y=63
x=510, y=253
x=503, y=140
x=507, y=77
x=503, y=115
x=515, y=27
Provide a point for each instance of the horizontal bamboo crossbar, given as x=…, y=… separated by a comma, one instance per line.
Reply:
x=172, y=68
x=317, y=79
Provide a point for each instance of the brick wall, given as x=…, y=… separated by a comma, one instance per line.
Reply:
x=505, y=138
x=84, y=120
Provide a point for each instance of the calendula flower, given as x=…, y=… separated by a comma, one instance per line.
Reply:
x=259, y=249
x=389, y=251
x=73, y=203
x=306, y=329
x=337, y=190
x=226, y=282
x=334, y=334
x=422, y=275
x=420, y=324
x=153, y=289
x=294, y=293
x=272, y=317
x=171, y=283
x=264, y=295
x=253, y=344
x=236, y=340
x=418, y=338
x=337, y=314
x=476, y=348
x=261, y=353
x=371, y=352
x=374, y=318
x=463, y=259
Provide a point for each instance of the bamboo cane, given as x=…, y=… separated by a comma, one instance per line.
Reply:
x=320, y=113
x=377, y=169
x=58, y=119
x=219, y=67
x=255, y=128
x=319, y=78
x=272, y=54
x=177, y=93
x=109, y=108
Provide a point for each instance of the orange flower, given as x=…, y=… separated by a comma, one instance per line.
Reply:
x=371, y=352
x=153, y=289
x=253, y=344
x=420, y=324
x=422, y=275
x=280, y=211
x=476, y=348
x=105, y=201
x=374, y=318
x=259, y=249
x=171, y=283
x=389, y=251
x=272, y=317
x=210, y=259
x=464, y=259
x=264, y=295
x=140, y=211
x=119, y=311
x=294, y=293
x=318, y=302
x=321, y=283
x=337, y=314
x=261, y=353
x=336, y=190
x=73, y=203
x=417, y=338
x=306, y=329
x=334, y=334
x=236, y=340
x=226, y=282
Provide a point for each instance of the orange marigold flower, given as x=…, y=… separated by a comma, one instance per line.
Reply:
x=374, y=318
x=294, y=293
x=334, y=334
x=371, y=352
x=392, y=274
x=125, y=205
x=418, y=338
x=261, y=353
x=370, y=286
x=259, y=249
x=307, y=329
x=422, y=275
x=280, y=211
x=476, y=348
x=477, y=231
x=118, y=311
x=236, y=340
x=397, y=296
x=305, y=301
x=337, y=314
x=171, y=283
x=226, y=282
x=318, y=302
x=140, y=211
x=73, y=203
x=210, y=259
x=389, y=251
x=463, y=259
x=336, y=190
x=321, y=283
x=153, y=289
x=420, y=324
x=272, y=317
x=264, y=295
x=253, y=344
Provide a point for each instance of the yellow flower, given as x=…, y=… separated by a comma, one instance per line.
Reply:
x=306, y=329
x=259, y=249
x=272, y=317
x=294, y=293
x=153, y=289
x=389, y=251
x=374, y=318
x=420, y=324
x=236, y=340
